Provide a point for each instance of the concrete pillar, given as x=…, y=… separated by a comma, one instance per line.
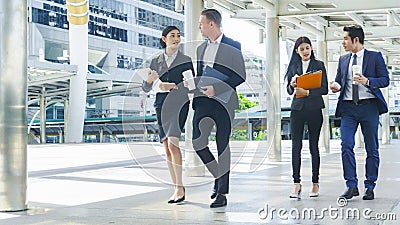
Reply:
x=194, y=166
x=273, y=86
x=144, y=99
x=78, y=15
x=13, y=89
x=42, y=105
x=385, y=118
x=323, y=56
x=249, y=130
x=65, y=117
x=101, y=132
x=60, y=136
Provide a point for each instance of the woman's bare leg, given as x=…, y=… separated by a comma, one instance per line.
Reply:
x=170, y=166
x=173, y=145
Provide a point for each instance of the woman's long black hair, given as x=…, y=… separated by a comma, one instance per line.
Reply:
x=165, y=32
x=295, y=58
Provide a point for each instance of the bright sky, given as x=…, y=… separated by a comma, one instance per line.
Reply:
x=247, y=34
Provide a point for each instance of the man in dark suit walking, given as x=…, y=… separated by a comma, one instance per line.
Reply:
x=360, y=102
x=223, y=55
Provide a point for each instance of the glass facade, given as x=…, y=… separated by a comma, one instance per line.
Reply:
x=166, y=4
x=55, y=15
x=149, y=41
x=155, y=21
x=128, y=62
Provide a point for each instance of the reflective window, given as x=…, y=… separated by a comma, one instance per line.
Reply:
x=156, y=21
x=149, y=41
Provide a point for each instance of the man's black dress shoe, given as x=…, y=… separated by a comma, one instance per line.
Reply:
x=219, y=201
x=350, y=192
x=369, y=194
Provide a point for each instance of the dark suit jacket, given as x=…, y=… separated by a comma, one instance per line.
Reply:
x=229, y=61
x=173, y=74
x=314, y=100
x=374, y=68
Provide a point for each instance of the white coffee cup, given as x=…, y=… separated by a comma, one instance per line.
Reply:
x=189, y=78
x=356, y=69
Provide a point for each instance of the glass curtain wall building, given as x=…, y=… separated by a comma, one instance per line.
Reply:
x=122, y=35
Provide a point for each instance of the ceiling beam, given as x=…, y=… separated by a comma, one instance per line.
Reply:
x=395, y=16
x=370, y=33
x=341, y=6
x=237, y=3
x=265, y=4
x=248, y=14
x=304, y=25
x=356, y=18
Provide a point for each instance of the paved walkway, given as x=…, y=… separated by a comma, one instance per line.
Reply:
x=128, y=184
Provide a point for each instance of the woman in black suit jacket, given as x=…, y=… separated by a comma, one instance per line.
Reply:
x=172, y=102
x=305, y=110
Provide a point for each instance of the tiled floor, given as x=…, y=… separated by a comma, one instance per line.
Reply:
x=129, y=184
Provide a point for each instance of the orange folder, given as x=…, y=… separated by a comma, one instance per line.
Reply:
x=309, y=81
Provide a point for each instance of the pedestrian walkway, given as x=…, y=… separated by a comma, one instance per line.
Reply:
x=128, y=184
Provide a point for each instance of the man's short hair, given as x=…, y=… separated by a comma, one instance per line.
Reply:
x=213, y=15
x=355, y=31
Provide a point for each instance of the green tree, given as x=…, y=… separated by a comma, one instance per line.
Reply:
x=245, y=103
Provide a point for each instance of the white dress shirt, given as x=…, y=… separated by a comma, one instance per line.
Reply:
x=211, y=52
x=170, y=58
x=362, y=90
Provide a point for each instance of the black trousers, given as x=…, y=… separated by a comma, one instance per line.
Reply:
x=314, y=120
x=203, y=121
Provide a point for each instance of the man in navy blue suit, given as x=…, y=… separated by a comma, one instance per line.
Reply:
x=360, y=103
x=224, y=56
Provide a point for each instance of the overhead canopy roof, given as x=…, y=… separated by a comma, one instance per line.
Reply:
x=53, y=79
x=380, y=19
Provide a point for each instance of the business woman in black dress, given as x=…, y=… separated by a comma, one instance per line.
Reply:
x=172, y=102
x=305, y=110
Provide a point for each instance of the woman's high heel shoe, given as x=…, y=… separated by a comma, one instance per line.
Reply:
x=297, y=193
x=315, y=191
x=181, y=199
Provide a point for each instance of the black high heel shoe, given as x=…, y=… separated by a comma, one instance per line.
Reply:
x=296, y=194
x=181, y=199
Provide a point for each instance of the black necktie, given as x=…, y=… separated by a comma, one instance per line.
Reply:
x=355, y=86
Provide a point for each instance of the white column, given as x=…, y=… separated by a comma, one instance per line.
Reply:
x=78, y=45
x=13, y=89
x=194, y=166
x=65, y=117
x=144, y=105
x=101, y=133
x=42, y=105
x=385, y=118
x=273, y=87
x=326, y=129
x=60, y=136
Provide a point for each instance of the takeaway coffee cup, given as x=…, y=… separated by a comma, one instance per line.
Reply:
x=355, y=69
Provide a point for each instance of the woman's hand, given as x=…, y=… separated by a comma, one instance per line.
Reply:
x=293, y=82
x=152, y=76
x=301, y=91
x=165, y=86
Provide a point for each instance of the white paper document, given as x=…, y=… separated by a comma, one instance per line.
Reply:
x=156, y=86
x=142, y=73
